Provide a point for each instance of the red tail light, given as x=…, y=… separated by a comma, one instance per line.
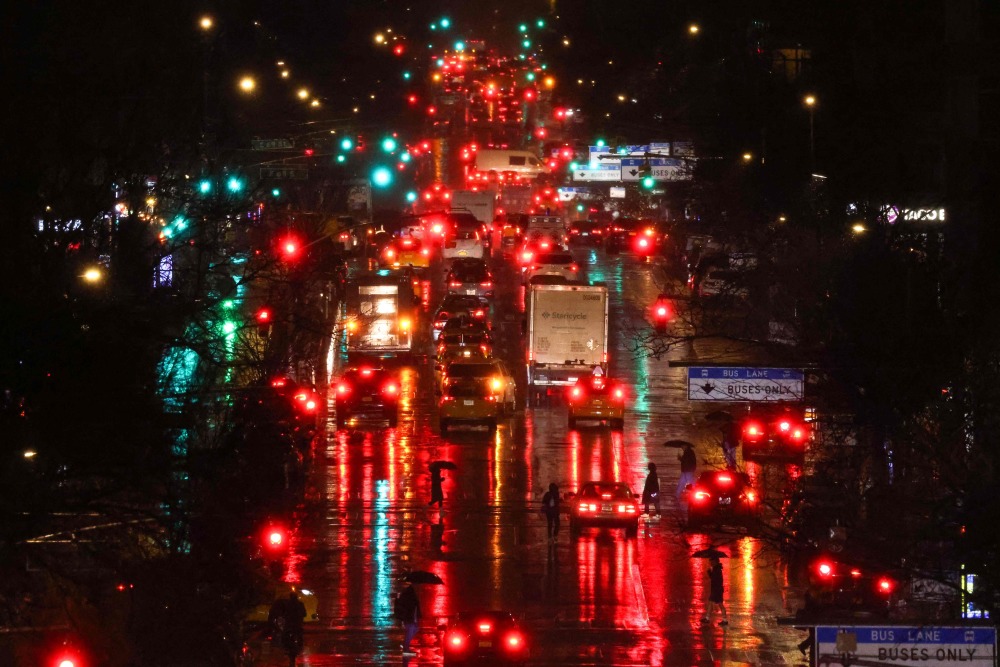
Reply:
x=576, y=393
x=724, y=478
x=619, y=394
x=484, y=627
x=753, y=430
x=885, y=585
x=798, y=434
x=390, y=389
x=588, y=507
x=486, y=284
x=343, y=389
x=479, y=314
x=454, y=283
x=784, y=426
x=574, y=268
x=825, y=569
x=455, y=641
x=751, y=497
x=661, y=312
x=701, y=496
x=425, y=252
x=514, y=641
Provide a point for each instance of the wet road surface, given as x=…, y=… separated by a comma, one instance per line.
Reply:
x=601, y=599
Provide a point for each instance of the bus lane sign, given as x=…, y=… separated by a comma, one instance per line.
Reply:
x=716, y=383
x=928, y=646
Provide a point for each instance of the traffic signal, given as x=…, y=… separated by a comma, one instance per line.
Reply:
x=389, y=145
x=275, y=539
x=234, y=184
x=382, y=177
x=290, y=248
x=346, y=144
x=264, y=316
x=204, y=186
x=648, y=182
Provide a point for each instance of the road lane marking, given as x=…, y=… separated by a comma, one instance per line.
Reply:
x=640, y=596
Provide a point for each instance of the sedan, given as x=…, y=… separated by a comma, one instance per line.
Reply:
x=597, y=398
x=604, y=504
x=366, y=391
x=552, y=264
x=458, y=305
x=722, y=497
x=471, y=281
x=484, y=637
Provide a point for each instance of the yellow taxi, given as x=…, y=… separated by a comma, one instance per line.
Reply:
x=492, y=371
x=599, y=398
x=407, y=251
x=464, y=346
x=469, y=400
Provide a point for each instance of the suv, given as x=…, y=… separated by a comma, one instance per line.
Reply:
x=552, y=264
x=471, y=280
x=367, y=392
x=604, y=504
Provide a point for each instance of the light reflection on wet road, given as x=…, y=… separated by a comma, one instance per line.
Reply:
x=599, y=600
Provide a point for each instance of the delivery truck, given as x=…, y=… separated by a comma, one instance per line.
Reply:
x=567, y=331
x=380, y=313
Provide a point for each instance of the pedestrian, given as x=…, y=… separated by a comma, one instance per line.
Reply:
x=688, y=465
x=730, y=439
x=437, y=495
x=407, y=612
x=715, y=592
x=550, y=508
x=286, y=616
x=651, y=490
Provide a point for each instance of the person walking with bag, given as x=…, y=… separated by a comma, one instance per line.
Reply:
x=689, y=463
x=651, y=490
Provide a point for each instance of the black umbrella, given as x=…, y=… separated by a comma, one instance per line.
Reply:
x=443, y=465
x=710, y=552
x=677, y=443
x=718, y=416
x=423, y=577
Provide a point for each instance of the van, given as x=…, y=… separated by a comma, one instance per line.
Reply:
x=523, y=163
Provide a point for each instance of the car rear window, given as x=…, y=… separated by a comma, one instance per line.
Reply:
x=554, y=258
x=614, y=491
x=467, y=389
x=469, y=370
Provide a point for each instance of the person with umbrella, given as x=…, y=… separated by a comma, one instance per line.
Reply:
x=651, y=490
x=715, y=590
x=550, y=508
x=689, y=463
x=407, y=612
x=437, y=476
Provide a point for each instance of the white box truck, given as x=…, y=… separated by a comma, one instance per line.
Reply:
x=567, y=334
x=478, y=203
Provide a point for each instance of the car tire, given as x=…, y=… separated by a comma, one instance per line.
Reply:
x=571, y=422
x=617, y=424
x=444, y=426
x=632, y=530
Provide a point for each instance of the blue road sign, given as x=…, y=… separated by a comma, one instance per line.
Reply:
x=745, y=384
x=906, y=645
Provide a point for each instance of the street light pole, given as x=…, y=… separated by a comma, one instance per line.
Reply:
x=810, y=102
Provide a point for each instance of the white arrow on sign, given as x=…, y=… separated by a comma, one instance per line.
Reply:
x=597, y=175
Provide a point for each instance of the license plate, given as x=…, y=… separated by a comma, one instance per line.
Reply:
x=462, y=253
x=607, y=509
x=366, y=399
x=471, y=292
x=468, y=402
x=485, y=644
x=725, y=501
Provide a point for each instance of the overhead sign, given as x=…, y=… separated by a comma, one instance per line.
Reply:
x=271, y=144
x=284, y=173
x=906, y=645
x=745, y=384
x=661, y=169
x=597, y=175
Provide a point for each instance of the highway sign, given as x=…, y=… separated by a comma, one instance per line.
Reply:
x=661, y=169
x=597, y=175
x=745, y=384
x=284, y=173
x=906, y=645
x=271, y=144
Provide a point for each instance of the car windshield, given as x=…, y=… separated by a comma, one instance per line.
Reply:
x=609, y=491
x=463, y=339
x=459, y=302
x=465, y=235
x=554, y=258
x=364, y=376
x=469, y=275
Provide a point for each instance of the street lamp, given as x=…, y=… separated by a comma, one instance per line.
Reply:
x=93, y=275
x=810, y=102
x=206, y=23
x=303, y=93
x=247, y=84
x=693, y=29
x=747, y=157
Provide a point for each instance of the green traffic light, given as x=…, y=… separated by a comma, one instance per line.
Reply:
x=275, y=192
x=341, y=159
x=460, y=46
x=382, y=177
x=523, y=27
x=573, y=166
x=405, y=157
x=579, y=207
x=389, y=144
x=234, y=184
x=445, y=22
x=530, y=76
x=526, y=44
x=407, y=75
x=600, y=143
x=204, y=186
x=411, y=196
x=648, y=182
x=346, y=144
x=540, y=23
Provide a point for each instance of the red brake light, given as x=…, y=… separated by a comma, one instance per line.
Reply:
x=825, y=569
x=454, y=283
x=620, y=394
x=479, y=313
x=485, y=626
x=343, y=388
x=576, y=392
x=514, y=640
x=724, y=478
x=753, y=430
x=661, y=311
x=455, y=641
x=486, y=284
x=574, y=268
x=885, y=585
x=390, y=389
x=784, y=426
x=798, y=434
x=701, y=496
x=856, y=573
